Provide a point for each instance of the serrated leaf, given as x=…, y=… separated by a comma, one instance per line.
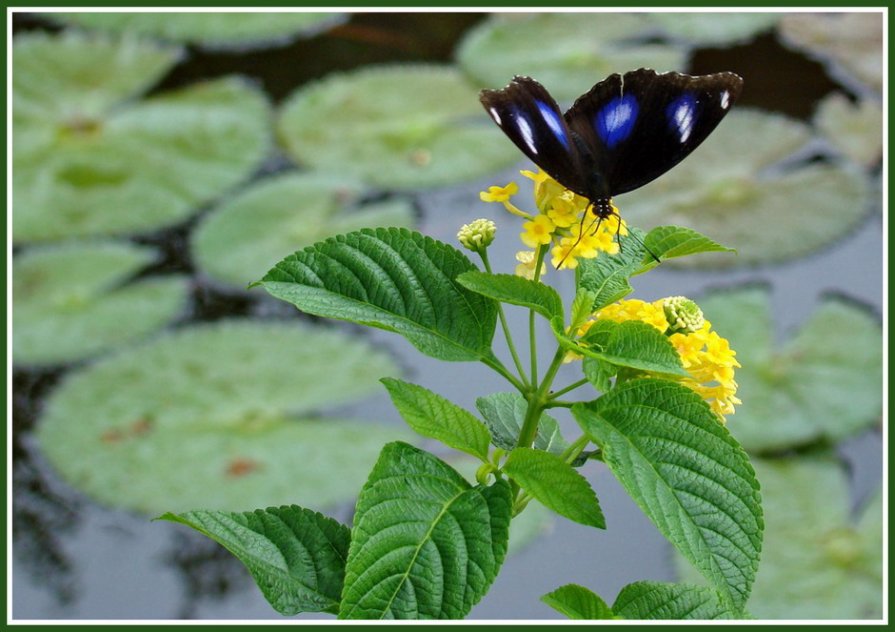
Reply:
x=598, y=372
x=555, y=484
x=504, y=413
x=240, y=240
x=664, y=601
x=393, y=279
x=425, y=544
x=668, y=242
x=433, y=416
x=516, y=290
x=295, y=555
x=577, y=602
x=633, y=344
x=687, y=474
x=606, y=276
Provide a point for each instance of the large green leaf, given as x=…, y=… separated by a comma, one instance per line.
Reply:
x=295, y=555
x=504, y=414
x=88, y=159
x=633, y=344
x=730, y=189
x=686, y=473
x=431, y=415
x=396, y=280
x=403, y=127
x=556, y=485
x=606, y=276
x=244, y=237
x=669, y=242
x=211, y=29
x=425, y=544
x=71, y=301
x=575, y=49
x=821, y=561
x=825, y=382
x=218, y=416
x=577, y=602
x=509, y=288
x=657, y=600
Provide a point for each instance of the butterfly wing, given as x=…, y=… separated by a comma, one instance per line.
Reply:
x=637, y=126
x=527, y=113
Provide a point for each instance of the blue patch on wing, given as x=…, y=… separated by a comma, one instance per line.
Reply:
x=615, y=120
x=681, y=115
x=553, y=122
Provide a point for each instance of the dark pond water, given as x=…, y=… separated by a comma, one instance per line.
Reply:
x=74, y=559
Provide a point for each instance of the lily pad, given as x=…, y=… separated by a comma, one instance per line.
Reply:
x=243, y=238
x=88, y=159
x=71, y=301
x=730, y=190
x=567, y=52
x=210, y=29
x=851, y=42
x=399, y=127
x=825, y=382
x=855, y=129
x=818, y=562
x=715, y=29
x=219, y=417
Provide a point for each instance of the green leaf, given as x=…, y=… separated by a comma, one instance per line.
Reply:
x=220, y=416
x=633, y=344
x=606, y=276
x=822, y=559
x=555, y=484
x=582, y=308
x=433, y=416
x=509, y=288
x=583, y=47
x=295, y=555
x=686, y=473
x=400, y=127
x=425, y=544
x=74, y=300
x=504, y=413
x=668, y=242
x=657, y=600
x=824, y=383
x=210, y=29
x=248, y=234
x=395, y=280
x=599, y=373
x=91, y=159
x=577, y=602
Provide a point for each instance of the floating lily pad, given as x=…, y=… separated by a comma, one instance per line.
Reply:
x=398, y=127
x=851, y=41
x=566, y=52
x=89, y=160
x=240, y=241
x=211, y=29
x=219, y=417
x=856, y=129
x=825, y=382
x=818, y=562
x=727, y=190
x=715, y=29
x=69, y=301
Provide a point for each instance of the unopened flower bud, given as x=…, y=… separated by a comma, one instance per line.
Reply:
x=682, y=314
x=477, y=235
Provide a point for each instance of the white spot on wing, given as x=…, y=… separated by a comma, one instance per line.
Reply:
x=527, y=136
x=725, y=100
x=683, y=118
x=496, y=116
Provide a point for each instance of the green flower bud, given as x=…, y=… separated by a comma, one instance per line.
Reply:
x=682, y=314
x=477, y=235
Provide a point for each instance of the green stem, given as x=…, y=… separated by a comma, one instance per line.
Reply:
x=570, y=387
x=506, y=329
x=537, y=401
x=532, y=339
x=498, y=366
x=558, y=403
x=571, y=453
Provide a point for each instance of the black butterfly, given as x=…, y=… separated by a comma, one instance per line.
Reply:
x=624, y=132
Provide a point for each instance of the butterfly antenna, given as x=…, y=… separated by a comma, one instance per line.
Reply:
x=636, y=238
x=581, y=231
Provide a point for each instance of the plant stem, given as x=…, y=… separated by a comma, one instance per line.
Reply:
x=532, y=339
x=506, y=329
x=498, y=366
x=570, y=387
x=537, y=401
x=571, y=453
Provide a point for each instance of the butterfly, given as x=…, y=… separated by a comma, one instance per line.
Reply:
x=621, y=134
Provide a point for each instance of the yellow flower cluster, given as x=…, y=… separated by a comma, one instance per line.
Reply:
x=705, y=355
x=562, y=219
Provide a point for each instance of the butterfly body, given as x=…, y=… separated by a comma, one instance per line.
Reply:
x=624, y=132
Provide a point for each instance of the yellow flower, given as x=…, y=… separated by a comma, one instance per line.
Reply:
x=527, y=261
x=538, y=231
x=499, y=194
x=564, y=212
x=546, y=188
x=705, y=355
